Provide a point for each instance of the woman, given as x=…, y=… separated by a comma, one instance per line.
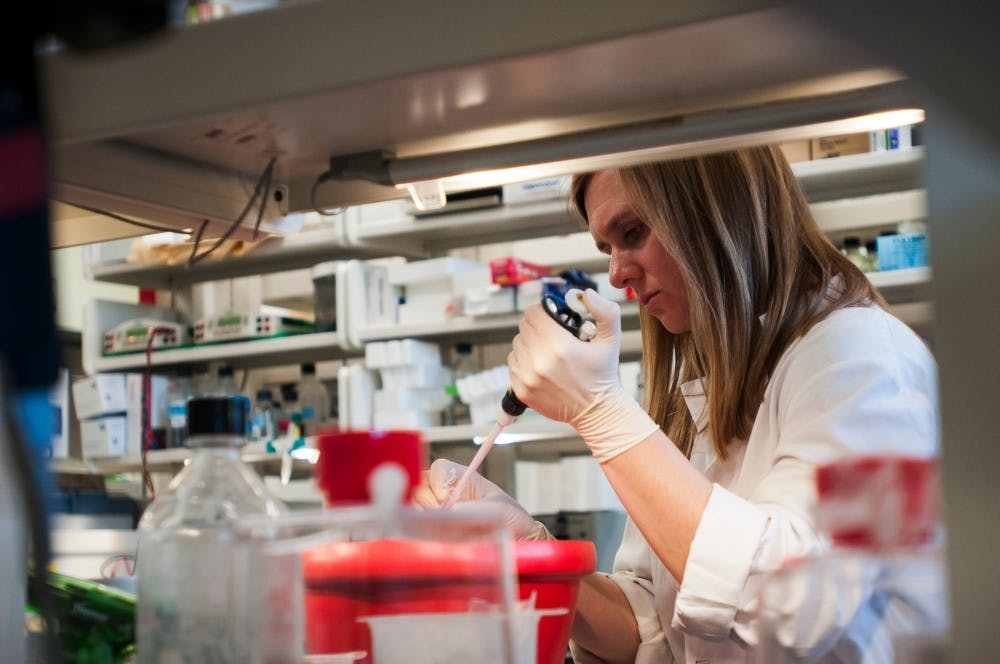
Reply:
x=765, y=353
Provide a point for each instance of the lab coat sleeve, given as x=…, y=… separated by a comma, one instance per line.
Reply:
x=838, y=398
x=633, y=574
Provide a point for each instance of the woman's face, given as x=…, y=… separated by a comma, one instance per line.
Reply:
x=637, y=257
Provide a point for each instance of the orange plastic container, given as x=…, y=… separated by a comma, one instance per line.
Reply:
x=345, y=581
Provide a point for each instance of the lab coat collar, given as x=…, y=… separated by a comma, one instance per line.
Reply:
x=702, y=452
x=694, y=397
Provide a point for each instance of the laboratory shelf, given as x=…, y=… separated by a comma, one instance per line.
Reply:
x=292, y=349
x=168, y=461
x=903, y=286
x=856, y=175
x=503, y=223
x=275, y=254
x=484, y=329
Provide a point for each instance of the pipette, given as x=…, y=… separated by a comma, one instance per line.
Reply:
x=569, y=314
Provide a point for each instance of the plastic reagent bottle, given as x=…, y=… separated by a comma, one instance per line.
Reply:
x=264, y=424
x=180, y=390
x=185, y=557
x=225, y=384
x=314, y=402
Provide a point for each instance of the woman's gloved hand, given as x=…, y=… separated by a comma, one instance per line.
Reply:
x=443, y=474
x=575, y=381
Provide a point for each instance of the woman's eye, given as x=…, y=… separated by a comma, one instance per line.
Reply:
x=635, y=234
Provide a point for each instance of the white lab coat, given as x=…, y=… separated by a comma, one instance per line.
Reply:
x=859, y=382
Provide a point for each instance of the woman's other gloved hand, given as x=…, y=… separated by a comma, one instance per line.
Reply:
x=443, y=474
x=575, y=381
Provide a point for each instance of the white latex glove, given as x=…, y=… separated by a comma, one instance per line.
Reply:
x=575, y=381
x=437, y=482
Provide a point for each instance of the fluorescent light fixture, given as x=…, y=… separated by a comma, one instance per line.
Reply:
x=427, y=195
x=501, y=176
x=429, y=177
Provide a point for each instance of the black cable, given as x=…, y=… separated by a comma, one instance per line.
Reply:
x=197, y=239
x=34, y=503
x=134, y=222
x=312, y=197
x=259, y=190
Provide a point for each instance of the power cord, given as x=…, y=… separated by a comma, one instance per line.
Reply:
x=262, y=190
x=147, y=410
x=312, y=197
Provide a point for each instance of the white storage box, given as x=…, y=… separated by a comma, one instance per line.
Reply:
x=449, y=269
x=402, y=353
x=100, y=394
x=537, y=190
x=411, y=398
x=103, y=437
x=583, y=486
x=529, y=293
x=490, y=300
x=537, y=485
x=429, y=309
x=417, y=376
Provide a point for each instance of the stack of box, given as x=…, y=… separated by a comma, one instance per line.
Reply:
x=414, y=382
x=514, y=282
x=110, y=409
x=431, y=291
x=482, y=392
x=571, y=484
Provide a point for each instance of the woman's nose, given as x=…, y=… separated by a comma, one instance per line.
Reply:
x=620, y=270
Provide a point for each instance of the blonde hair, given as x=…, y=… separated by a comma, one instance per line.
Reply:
x=755, y=264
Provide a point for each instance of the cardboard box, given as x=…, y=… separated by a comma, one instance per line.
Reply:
x=838, y=146
x=797, y=151
x=103, y=437
x=100, y=394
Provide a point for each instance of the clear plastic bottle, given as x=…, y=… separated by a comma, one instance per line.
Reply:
x=884, y=571
x=856, y=252
x=314, y=401
x=187, y=583
x=224, y=385
x=181, y=389
x=264, y=423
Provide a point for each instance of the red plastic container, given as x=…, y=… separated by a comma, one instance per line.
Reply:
x=510, y=271
x=345, y=581
x=347, y=458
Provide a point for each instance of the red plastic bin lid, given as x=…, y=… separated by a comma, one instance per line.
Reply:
x=390, y=558
x=578, y=557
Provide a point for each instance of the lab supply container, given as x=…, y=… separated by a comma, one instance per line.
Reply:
x=324, y=278
x=357, y=593
x=378, y=581
x=191, y=578
x=900, y=251
x=883, y=569
x=179, y=390
x=314, y=401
